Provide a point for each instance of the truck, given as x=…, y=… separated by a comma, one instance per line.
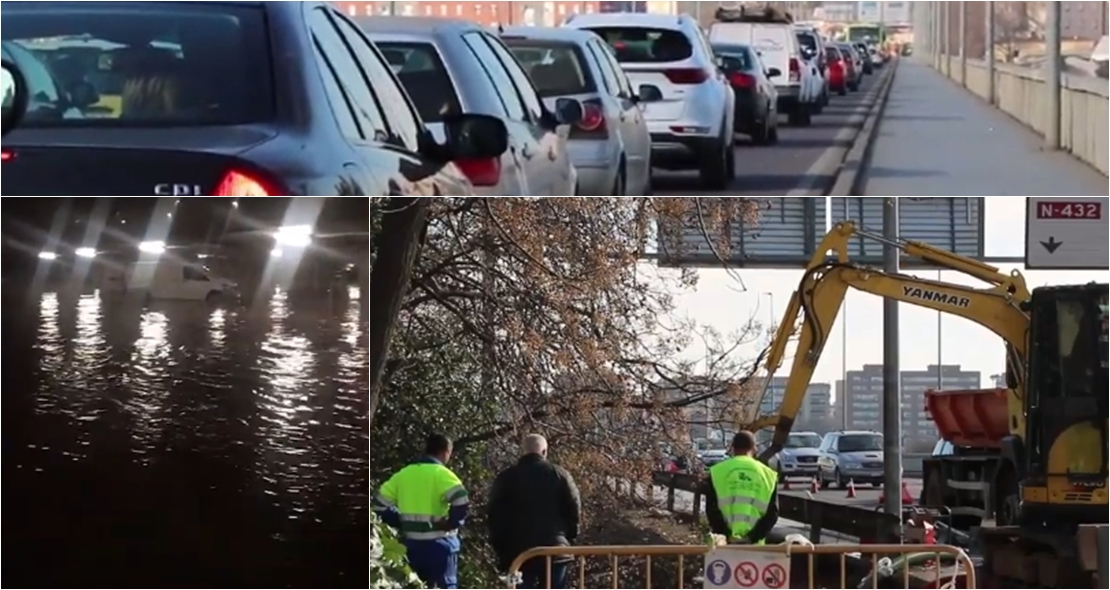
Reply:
x=1044, y=436
x=961, y=476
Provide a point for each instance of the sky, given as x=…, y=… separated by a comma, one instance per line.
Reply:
x=719, y=300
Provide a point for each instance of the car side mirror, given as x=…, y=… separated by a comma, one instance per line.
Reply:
x=568, y=111
x=16, y=97
x=471, y=136
x=773, y=72
x=650, y=93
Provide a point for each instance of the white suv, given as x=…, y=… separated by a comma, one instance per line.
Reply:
x=687, y=102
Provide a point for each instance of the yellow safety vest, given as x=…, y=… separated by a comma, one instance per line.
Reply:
x=744, y=489
x=423, y=494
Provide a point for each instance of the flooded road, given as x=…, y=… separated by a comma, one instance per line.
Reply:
x=183, y=445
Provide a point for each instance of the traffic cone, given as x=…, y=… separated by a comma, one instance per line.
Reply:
x=814, y=486
x=907, y=497
x=851, y=489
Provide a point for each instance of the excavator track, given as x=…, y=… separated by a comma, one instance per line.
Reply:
x=1018, y=558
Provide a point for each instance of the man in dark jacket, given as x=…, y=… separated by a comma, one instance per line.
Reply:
x=534, y=504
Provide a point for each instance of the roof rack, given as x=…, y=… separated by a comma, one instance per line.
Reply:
x=753, y=13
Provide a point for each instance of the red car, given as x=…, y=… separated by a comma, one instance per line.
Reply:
x=838, y=70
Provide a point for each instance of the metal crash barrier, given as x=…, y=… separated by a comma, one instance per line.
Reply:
x=740, y=566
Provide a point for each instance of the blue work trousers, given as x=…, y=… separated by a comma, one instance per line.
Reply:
x=436, y=563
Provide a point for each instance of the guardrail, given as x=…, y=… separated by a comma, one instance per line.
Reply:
x=866, y=523
x=1020, y=92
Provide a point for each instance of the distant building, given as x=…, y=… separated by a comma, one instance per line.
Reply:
x=817, y=410
x=864, y=397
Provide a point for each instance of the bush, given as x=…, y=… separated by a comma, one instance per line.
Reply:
x=388, y=568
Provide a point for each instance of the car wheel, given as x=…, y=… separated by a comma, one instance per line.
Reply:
x=714, y=173
x=839, y=479
x=773, y=133
x=761, y=135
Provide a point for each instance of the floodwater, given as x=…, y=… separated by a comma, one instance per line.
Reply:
x=183, y=445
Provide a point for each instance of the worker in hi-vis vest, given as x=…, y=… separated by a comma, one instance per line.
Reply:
x=741, y=496
x=427, y=503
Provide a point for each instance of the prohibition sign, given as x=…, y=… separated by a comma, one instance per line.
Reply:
x=774, y=576
x=747, y=574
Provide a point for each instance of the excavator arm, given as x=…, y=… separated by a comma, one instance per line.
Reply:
x=830, y=274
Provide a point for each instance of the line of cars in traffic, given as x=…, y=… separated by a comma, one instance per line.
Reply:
x=273, y=98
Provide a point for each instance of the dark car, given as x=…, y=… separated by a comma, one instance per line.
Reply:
x=221, y=99
x=757, y=112
x=865, y=54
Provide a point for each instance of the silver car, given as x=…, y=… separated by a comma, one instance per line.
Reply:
x=452, y=66
x=688, y=103
x=799, y=456
x=610, y=146
x=851, y=456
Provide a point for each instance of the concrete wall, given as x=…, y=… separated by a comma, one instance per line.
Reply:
x=1020, y=92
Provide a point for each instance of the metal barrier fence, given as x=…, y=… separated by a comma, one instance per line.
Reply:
x=928, y=566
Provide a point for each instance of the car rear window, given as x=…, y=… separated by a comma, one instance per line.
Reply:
x=832, y=53
x=423, y=74
x=645, y=45
x=106, y=64
x=740, y=53
x=556, y=69
x=808, y=42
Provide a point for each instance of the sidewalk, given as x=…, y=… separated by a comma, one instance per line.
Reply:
x=937, y=139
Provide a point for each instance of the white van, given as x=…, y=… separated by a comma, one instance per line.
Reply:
x=776, y=41
x=168, y=279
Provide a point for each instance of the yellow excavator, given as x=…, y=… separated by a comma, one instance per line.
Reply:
x=1054, y=479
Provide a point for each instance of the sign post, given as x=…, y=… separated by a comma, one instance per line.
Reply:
x=1067, y=233
x=729, y=568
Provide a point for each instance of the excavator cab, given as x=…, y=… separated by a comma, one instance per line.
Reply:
x=1065, y=446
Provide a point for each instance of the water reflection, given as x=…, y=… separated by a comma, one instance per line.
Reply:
x=180, y=445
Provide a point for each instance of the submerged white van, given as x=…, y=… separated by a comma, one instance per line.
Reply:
x=169, y=279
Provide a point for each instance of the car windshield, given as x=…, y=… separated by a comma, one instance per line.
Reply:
x=645, y=45
x=860, y=443
x=110, y=64
x=802, y=441
x=425, y=78
x=556, y=68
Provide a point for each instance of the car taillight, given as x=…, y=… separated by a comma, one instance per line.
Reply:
x=593, y=117
x=741, y=80
x=6, y=156
x=795, y=69
x=241, y=184
x=686, y=75
x=481, y=171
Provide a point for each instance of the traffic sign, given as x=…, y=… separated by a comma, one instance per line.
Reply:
x=775, y=576
x=729, y=568
x=748, y=574
x=1067, y=233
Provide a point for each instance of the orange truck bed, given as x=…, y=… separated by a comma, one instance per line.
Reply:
x=970, y=418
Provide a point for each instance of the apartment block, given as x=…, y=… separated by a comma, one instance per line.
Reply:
x=864, y=397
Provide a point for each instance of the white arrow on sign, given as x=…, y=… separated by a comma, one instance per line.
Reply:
x=1067, y=233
